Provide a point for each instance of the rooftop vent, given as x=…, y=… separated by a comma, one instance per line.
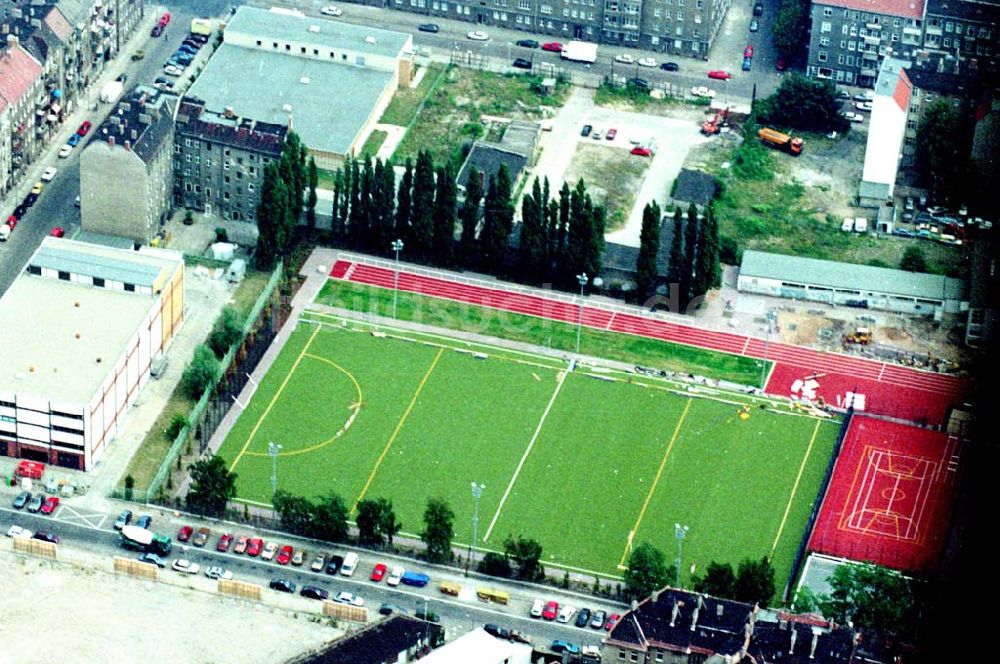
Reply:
x=370, y=39
x=313, y=28
x=304, y=80
x=287, y=108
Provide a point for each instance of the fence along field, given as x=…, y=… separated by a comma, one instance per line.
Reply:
x=575, y=460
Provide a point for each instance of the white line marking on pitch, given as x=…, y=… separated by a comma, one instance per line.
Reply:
x=524, y=457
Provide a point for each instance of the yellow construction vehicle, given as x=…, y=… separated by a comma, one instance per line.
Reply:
x=861, y=336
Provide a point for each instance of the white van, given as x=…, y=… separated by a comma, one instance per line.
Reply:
x=848, y=224
x=349, y=565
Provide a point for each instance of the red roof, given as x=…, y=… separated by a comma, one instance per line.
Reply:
x=58, y=24
x=18, y=72
x=903, y=8
x=904, y=88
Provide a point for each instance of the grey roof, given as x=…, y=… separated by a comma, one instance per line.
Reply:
x=318, y=31
x=488, y=158
x=328, y=112
x=888, y=76
x=76, y=11
x=877, y=190
x=379, y=642
x=622, y=258
x=694, y=187
x=146, y=111
x=849, y=276
x=92, y=264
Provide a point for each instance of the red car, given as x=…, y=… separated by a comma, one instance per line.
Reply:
x=185, y=533
x=254, y=546
x=640, y=151
x=12, y=220
x=224, y=543
x=781, y=64
x=720, y=74
x=84, y=128
x=58, y=231
x=748, y=52
x=285, y=555
x=611, y=134
x=50, y=505
x=378, y=573
x=241, y=544
x=612, y=620
x=555, y=47
x=551, y=610
x=164, y=19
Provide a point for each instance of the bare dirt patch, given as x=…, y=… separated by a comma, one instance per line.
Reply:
x=612, y=176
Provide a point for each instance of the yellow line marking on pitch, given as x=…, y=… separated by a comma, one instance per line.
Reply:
x=399, y=427
x=274, y=400
x=795, y=488
x=656, y=480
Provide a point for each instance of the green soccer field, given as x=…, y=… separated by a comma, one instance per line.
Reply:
x=582, y=462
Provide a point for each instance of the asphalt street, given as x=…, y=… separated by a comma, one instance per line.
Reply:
x=93, y=533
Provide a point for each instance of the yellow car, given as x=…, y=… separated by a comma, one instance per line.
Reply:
x=37, y=189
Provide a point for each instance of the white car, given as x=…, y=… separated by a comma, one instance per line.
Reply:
x=478, y=35
x=49, y=173
x=269, y=550
x=396, y=576
x=702, y=91
x=330, y=10
x=565, y=614
x=186, y=567
x=218, y=573
x=345, y=597
x=65, y=151
x=853, y=117
x=647, y=62
x=863, y=106
x=172, y=70
x=537, y=607
x=18, y=531
x=625, y=59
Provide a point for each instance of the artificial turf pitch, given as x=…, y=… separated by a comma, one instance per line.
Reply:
x=579, y=461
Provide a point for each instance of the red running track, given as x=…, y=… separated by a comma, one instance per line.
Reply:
x=888, y=389
x=890, y=496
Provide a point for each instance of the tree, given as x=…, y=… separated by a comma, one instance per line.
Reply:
x=199, y=375
x=369, y=515
x=719, y=580
x=227, y=330
x=296, y=512
x=438, y=530
x=312, y=180
x=707, y=274
x=212, y=486
x=422, y=214
x=496, y=564
x=129, y=486
x=531, y=248
x=690, y=253
x=647, y=571
x=445, y=203
x=385, y=187
x=675, y=271
x=805, y=103
x=913, y=260
x=330, y=519
x=939, y=151
x=388, y=525
x=525, y=553
x=470, y=215
x=872, y=597
x=492, y=239
x=270, y=215
x=336, y=221
x=790, y=28
x=562, y=230
x=754, y=582
x=403, y=200
x=649, y=247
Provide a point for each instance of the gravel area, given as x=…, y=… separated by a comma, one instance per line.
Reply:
x=104, y=617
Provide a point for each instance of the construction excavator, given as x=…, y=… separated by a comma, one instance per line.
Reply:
x=719, y=120
x=861, y=336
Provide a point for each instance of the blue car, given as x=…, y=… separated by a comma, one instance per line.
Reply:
x=747, y=63
x=565, y=646
x=186, y=48
x=74, y=140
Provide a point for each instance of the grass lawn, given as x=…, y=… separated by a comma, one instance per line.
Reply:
x=453, y=112
x=613, y=177
x=374, y=142
x=541, y=332
x=426, y=421
x=632, y=99
x=402, y=110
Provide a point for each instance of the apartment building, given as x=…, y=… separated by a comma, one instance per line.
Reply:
x=21, y=95
x=681, y=27
x=966, y=33
x=219, y=160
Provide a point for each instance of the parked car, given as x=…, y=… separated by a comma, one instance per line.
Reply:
x=216, y=572
x=282, y=586
x=58, y=231
x=702, y=91
x=165, y=19
x=147, y=557
x=156, y=31
x=344, y=597
x=863, y=106
x=566, y=614
x=598, y=619
x=388, y=609
x=519, y=637
x=318, y=563
x=781, y=64
x=123, y=519
x=378, y=572
x=583, y=617
x=50, y=505
x=478, y=35
x=647, y=62
x=330, y=10
x=526, y=43
x=84, y=128
x=241, y=544
x=642, y=151
x=758, y=9
x=254, y=546
x=172, y=70
x=639, y=83
x=902, y=232
x=36, y=503
x=586, y=130
x=300, y=557
x=285, y=555
x=597, y=133
x=333, y=564
x=201, y=537
x=612, y=621
x=184, y=534
x=754, y=25
x=65, y=151
x=74, y=140
x=521, y=63
x=36, y=189
x=552, y=47
x=864, y=96
x=720, y=74
x=625, y=59
x=30, y=199
x=748, y=51
x=269, y=550
x=670, y=66
x=497, y=631
x=611, y=134
x=551, y=610
x=561, y=646
x=225, y=541
x=18, y=531
x=428, y=27
x=851, y=116
x=537, y=607
x=21, y=500
x=747, y=64
x=314, y=592
x=186, y=567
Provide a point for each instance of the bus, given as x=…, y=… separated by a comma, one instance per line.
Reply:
x=142, y=540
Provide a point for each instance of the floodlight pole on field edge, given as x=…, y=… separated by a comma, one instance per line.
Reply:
x=767, y=341
x=273, y=449
x=397, y=246
x=582, y=279
x=679, y=532
x=477, y=491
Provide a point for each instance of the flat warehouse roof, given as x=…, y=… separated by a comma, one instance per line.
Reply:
x=849, y=276
x=41, y=354
x=330, y=102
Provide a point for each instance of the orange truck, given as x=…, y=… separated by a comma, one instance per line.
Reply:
x=779, y=141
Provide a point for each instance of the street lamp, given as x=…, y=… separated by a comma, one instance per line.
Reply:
x=397, y=246
x=679, y=532
x=477, y=491
x=274, y=449
x=767, y=341
x=582, y=279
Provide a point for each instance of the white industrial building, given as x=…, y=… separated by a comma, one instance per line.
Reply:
x=84, y=326
x=482, y=648
x=851, y=285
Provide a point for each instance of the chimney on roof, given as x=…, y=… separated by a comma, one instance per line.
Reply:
x=655, y=597
x=697, y=610
x=229, y=112
x=134, y=134
x=128, y=145
x=111, y=140
x=795, y=636
x=815, y=642
x=12, y=40
x=675, y=612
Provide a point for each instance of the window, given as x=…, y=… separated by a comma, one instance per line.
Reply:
x=258, y=42
x=63, y=276
x=33, y=269
x=827, y=12
x=825, y=26
x=130, y=288
x=822, y=56
x=824, y=41
x=99, y=282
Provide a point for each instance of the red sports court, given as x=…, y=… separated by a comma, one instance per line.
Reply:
x=890, y=495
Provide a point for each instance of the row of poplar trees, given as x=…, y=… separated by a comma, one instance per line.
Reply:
x=288, y=192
